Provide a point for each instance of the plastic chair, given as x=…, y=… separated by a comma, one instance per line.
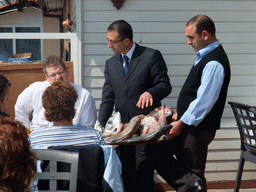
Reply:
x=245, y=116
x=54, y=156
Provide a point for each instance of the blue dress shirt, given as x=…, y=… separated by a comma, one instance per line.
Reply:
x=208, y=92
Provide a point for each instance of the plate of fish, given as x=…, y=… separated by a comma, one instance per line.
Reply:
x=141, y=129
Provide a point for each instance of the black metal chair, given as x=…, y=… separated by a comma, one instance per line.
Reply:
x=54, y=156
x=245, y=116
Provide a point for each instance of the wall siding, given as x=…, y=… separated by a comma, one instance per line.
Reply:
x=161, y=25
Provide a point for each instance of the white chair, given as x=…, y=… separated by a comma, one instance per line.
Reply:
x=54, y=156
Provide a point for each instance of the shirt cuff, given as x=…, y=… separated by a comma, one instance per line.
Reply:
x=188, y=119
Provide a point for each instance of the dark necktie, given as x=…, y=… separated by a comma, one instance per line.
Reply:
x=126, y=64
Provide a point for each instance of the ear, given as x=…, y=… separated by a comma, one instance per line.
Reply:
x=127, y=41
x=205, y=35
x=46, y=77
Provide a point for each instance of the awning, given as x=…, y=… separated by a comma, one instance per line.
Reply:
x=7, y=6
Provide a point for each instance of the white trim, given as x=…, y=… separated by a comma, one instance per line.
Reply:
x=42, y=42
x=79, y=31
x=13, y=41
x=38, y=35
x=75, y=47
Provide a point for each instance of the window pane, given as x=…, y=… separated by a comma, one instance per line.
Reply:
x=5, y=30
x=27, y=29
x=29, y=45
x=6, y=45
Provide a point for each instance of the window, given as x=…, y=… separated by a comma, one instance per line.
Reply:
x=6, y=44
x=21, y=45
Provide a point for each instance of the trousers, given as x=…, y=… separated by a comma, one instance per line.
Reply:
x=181, y=161
x=137, y=170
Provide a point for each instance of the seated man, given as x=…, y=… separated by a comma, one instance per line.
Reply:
x=17, y=161
x=59, y=101
x=29, y=103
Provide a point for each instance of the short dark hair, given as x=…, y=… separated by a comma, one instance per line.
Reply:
x=202, y=22
x=17, y=159
x=123, y=28
x=53, y=60
x=59, y=101
x=4, y=83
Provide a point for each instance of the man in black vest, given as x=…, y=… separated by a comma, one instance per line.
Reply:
x=200, y=106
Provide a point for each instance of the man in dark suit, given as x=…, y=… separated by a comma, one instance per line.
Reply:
x=134, y=85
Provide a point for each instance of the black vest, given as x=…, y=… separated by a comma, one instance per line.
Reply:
x=192, y=83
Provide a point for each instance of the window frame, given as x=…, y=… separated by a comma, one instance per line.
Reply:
x=76, y=47
x=14, y=45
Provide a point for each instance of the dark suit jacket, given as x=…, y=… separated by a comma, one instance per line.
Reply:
x=147, y=72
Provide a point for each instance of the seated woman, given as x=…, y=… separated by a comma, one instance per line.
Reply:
x=59, y=103
x=5, y=85
x=17, y=161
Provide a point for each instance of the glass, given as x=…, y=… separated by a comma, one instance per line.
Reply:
x=54, y=75
x=22, y=45
x=114, y=42
x=6, y=45
x=29, y=45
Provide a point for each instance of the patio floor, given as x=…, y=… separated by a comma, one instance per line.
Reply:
x=220, y=186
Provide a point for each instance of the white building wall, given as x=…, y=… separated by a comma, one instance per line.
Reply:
x=161, y=25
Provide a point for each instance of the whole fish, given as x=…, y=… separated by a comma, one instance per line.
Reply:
x=141, y=125
x=111, y=126
x=160, y=134
x=113, y=123
x=129, y=129
x=156, y=119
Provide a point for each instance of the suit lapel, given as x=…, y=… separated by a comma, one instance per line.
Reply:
x=133, y=64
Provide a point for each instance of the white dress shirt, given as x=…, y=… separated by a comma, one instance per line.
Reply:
x=29, y=103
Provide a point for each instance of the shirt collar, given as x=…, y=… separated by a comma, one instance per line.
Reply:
x=204, y=51
x=130, y=52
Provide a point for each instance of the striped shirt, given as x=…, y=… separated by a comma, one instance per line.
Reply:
x=44, y=137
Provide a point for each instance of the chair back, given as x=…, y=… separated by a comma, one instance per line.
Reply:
x=54, y=156
x=245, y=116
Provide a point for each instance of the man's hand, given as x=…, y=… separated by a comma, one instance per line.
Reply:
x=145, y=100
x=177, y=127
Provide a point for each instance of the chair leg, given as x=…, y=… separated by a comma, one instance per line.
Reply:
x=239, y=174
